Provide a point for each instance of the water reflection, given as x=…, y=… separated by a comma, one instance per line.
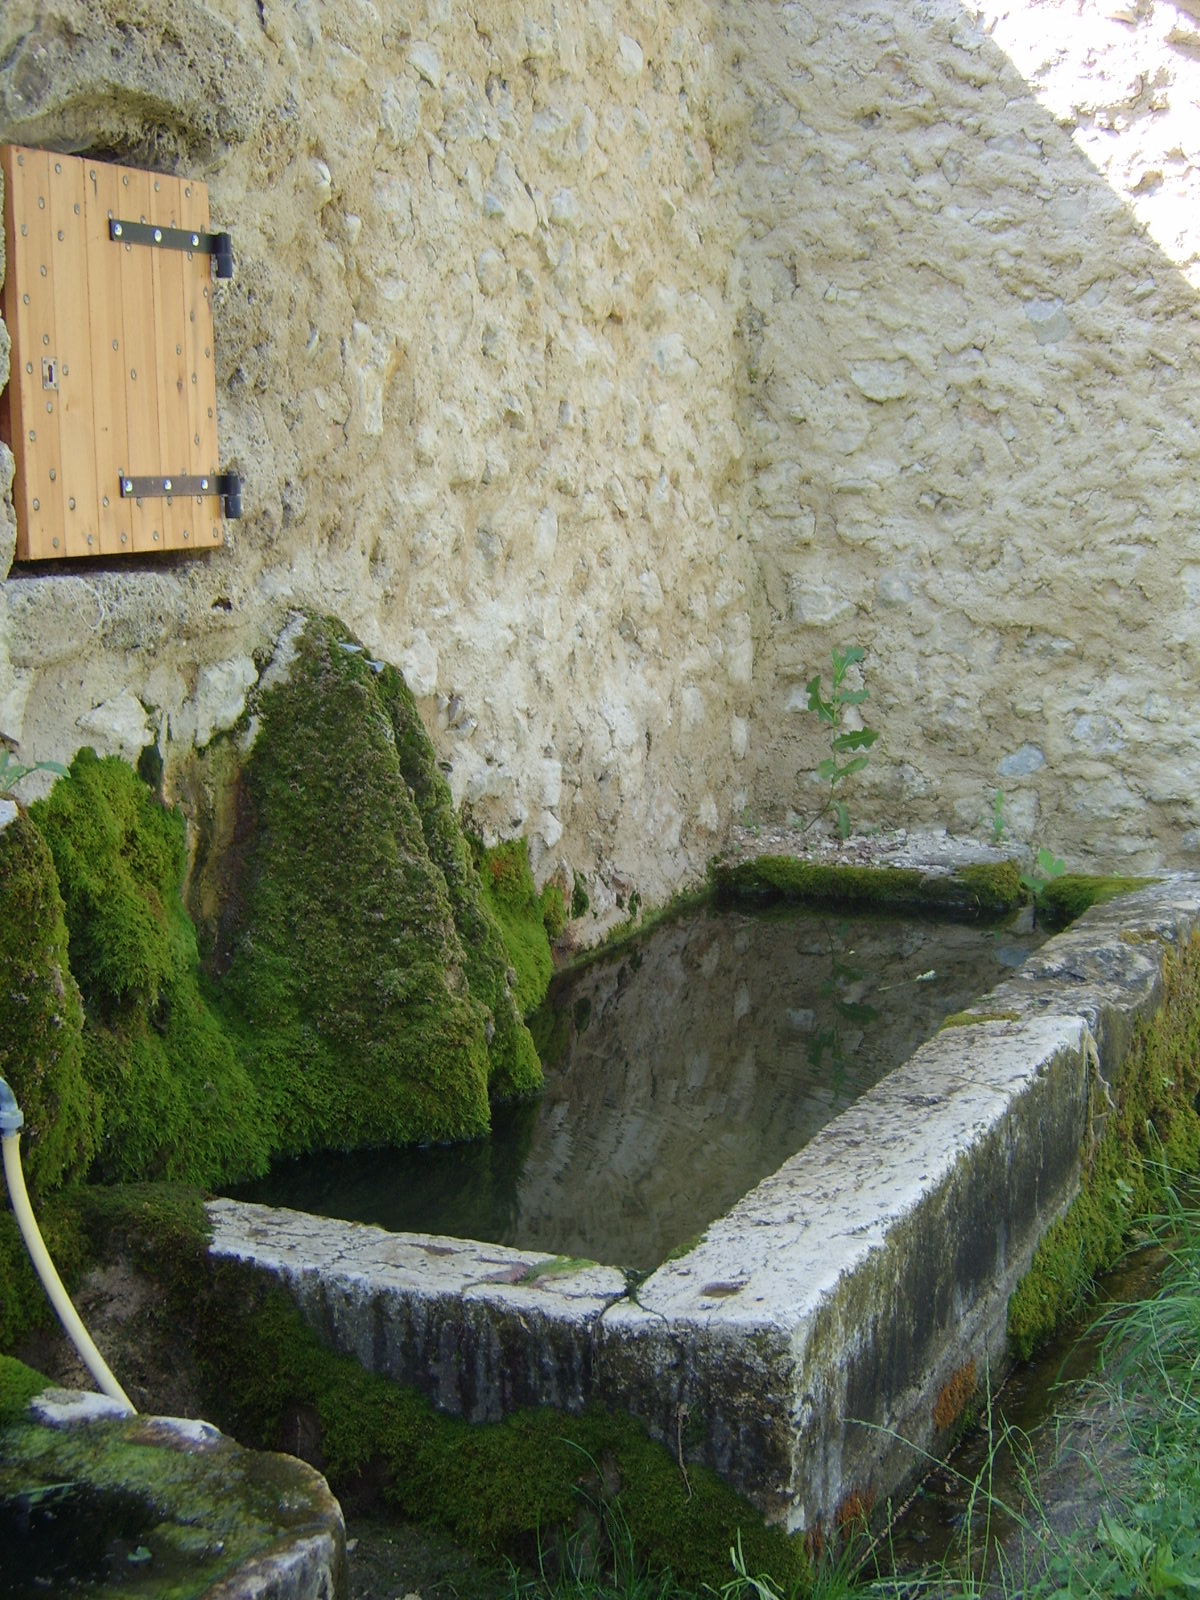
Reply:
x=678, y=1074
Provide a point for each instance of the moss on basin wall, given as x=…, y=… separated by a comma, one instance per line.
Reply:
x=371, y=983
x=986, y=889
x=1151, y=1136
x=513, y=1488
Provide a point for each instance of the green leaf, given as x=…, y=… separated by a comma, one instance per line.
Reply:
x=856, y=765
x=843, y=818
x=1050, y=865
x=850, y=655
x=852, y=697
x=827, y=770
x=857, y=739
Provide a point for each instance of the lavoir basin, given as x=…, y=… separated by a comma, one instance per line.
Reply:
x=680, y=1071
x=816, y=1328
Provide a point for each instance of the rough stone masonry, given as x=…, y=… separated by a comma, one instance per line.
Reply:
x=605, y=364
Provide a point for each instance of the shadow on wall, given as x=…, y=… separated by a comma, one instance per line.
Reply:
x=972, y=396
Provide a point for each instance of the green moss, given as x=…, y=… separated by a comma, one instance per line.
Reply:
x=554, y=911
x=41, y=1015
x=23, y=1302
x=513, y=1066
x=990, y=889
x=971, y=1019
x=504, y=1488
x=120, y=860
x=579, y=898
x=1063, y=899
x=169, y=1090
x=369, y=974
x=509, y=892
x=18, y=1385
x=1152, y=1136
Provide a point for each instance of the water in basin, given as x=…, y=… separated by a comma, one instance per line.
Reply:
x=679, y=1072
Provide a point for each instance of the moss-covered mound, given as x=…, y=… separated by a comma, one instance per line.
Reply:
x=41, y=1017
x=491, y=949
x=372, y=983
x=989, y=889
x=171, y=1095
x=1151, y=1138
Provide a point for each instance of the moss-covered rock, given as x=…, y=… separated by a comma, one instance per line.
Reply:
x=171, y=1094
x=554, y=911
x=41, y=1016
x=369, y=977
x=1151, y=1138
x=986, y=889
x=513, y=1067
x=1063, y=899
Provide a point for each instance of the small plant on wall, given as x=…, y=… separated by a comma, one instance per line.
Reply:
x=848, y=747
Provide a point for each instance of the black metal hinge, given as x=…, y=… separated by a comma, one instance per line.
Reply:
x=217, y=245
x=226, y=484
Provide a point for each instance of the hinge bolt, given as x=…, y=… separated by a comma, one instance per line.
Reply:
x=158, y=235
x=167, y=485
x=116, y=230
x=127, y=486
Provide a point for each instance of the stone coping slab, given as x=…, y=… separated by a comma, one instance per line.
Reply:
x=481, y=1329
x=837, y=1320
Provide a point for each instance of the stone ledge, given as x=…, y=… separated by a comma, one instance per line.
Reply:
x=480, y=1329
x=849, y=1286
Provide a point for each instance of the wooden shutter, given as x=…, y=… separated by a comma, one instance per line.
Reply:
x=112, y=361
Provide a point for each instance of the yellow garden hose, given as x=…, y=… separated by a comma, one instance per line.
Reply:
x=11, y=1121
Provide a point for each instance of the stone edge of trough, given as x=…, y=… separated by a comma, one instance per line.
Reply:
x=806, y=1346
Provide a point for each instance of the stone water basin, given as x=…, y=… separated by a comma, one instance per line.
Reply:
x=806, y=1346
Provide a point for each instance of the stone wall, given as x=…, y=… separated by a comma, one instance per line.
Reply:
x=972, y=429
x=605, y=362
x=478, y=368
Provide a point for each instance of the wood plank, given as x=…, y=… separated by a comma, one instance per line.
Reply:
x=34, y=409
x=168, y=267
x=107, y=330
x=75, y=399
x=14, y=402
x=201, y=367
x=140, y=359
